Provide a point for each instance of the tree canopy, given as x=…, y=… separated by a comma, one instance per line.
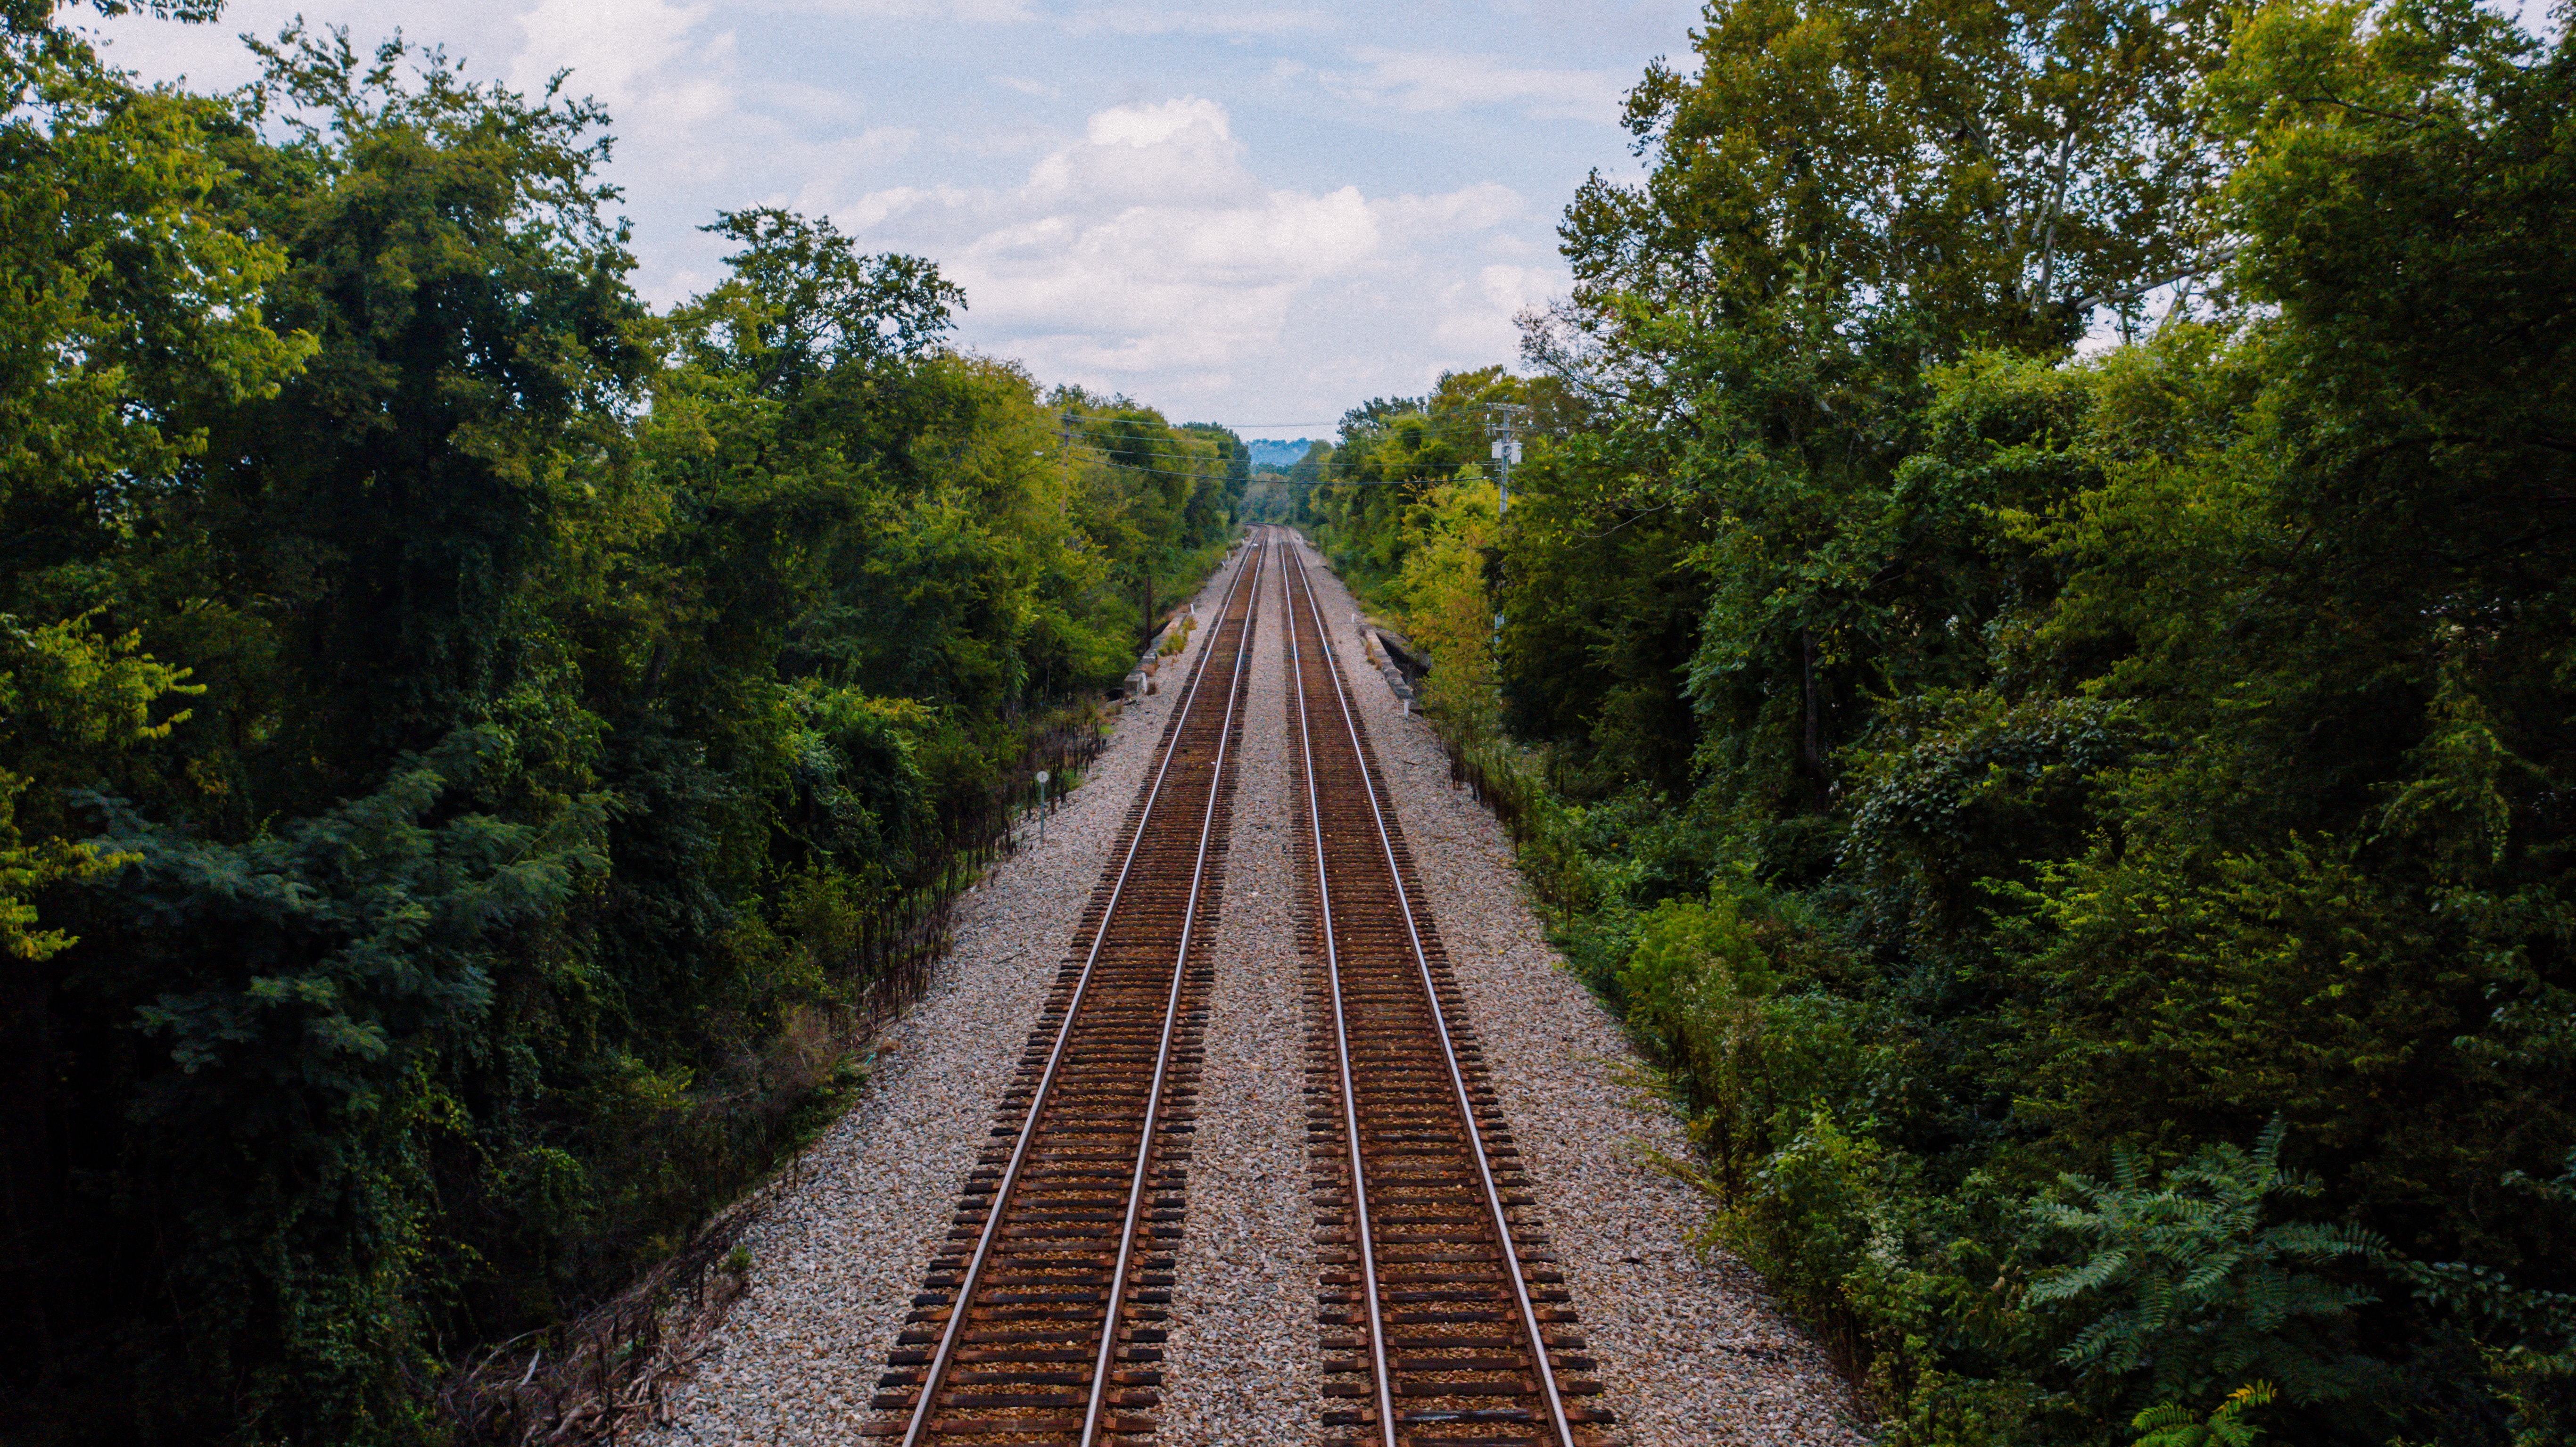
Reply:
x=2081, y=825
x=469, y=743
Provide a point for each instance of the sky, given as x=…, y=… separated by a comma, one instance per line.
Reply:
x=1256, y=214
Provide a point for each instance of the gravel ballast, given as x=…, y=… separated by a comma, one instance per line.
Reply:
x=1691, y=1351
x=1245, y=1366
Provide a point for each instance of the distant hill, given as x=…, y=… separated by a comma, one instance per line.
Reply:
x=1271, y=452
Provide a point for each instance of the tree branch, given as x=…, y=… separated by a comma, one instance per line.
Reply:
x=2199, y=266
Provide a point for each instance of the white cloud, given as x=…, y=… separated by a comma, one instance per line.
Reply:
x=1440, y=80
x=1451, y=213
x=1476, y=312
x=876, y=143
x=1149, y=247
x=1141, y=20
x=1004, y=140
x=972, y=12
x=624, y=53
x=671, y=91
x=1144, y=125
x=1182, y=231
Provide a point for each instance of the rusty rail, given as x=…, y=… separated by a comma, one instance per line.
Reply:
x=1463, y=1327
x=1041, y=1320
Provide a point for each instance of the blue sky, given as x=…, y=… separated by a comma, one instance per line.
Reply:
x=1253, y=214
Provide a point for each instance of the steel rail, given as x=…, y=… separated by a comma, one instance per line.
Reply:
x=1342, y=1044
x=1171, y=1006
x=936, y=1370
x=1541, y=1367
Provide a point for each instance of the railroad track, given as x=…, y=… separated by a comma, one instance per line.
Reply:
x=1444, y=1318
x=1042, y=1320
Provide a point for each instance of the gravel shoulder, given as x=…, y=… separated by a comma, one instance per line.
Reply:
x=1692, y=1350
x=836, y=1261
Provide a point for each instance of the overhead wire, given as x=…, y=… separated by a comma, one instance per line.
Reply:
x=1449, y=422
x=1216, y=471
x=1450, y=428
x=1333, y=422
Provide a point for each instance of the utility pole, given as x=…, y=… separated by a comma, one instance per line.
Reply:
x=1502, y=417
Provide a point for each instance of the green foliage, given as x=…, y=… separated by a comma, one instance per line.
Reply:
x=306, y=986
x=1442, y=586
x=2184, y=1284
x=68, y=700
x=802, y=305
x=1697, y=986
x=1378, y=494
x=133, y=293
x=2172, y=1426
x=335, y=951
x=471, y=748
x=1982, y=772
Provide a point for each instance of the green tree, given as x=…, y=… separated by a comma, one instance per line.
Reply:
x=2110, y=754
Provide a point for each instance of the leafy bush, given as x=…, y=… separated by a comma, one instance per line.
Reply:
x=2184, y=1285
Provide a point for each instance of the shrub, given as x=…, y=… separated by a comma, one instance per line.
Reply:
x=2190, y=1289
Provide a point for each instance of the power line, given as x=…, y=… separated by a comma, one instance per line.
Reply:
x=1450, y=421
x=1446, y=425
x=1498, y=420
x=1215, y=472
x=1318, y=482
x=1446, y=434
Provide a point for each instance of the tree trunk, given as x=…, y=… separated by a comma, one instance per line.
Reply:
x=1811, y=749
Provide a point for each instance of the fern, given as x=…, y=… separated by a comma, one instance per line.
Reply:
x=2173, y=1426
